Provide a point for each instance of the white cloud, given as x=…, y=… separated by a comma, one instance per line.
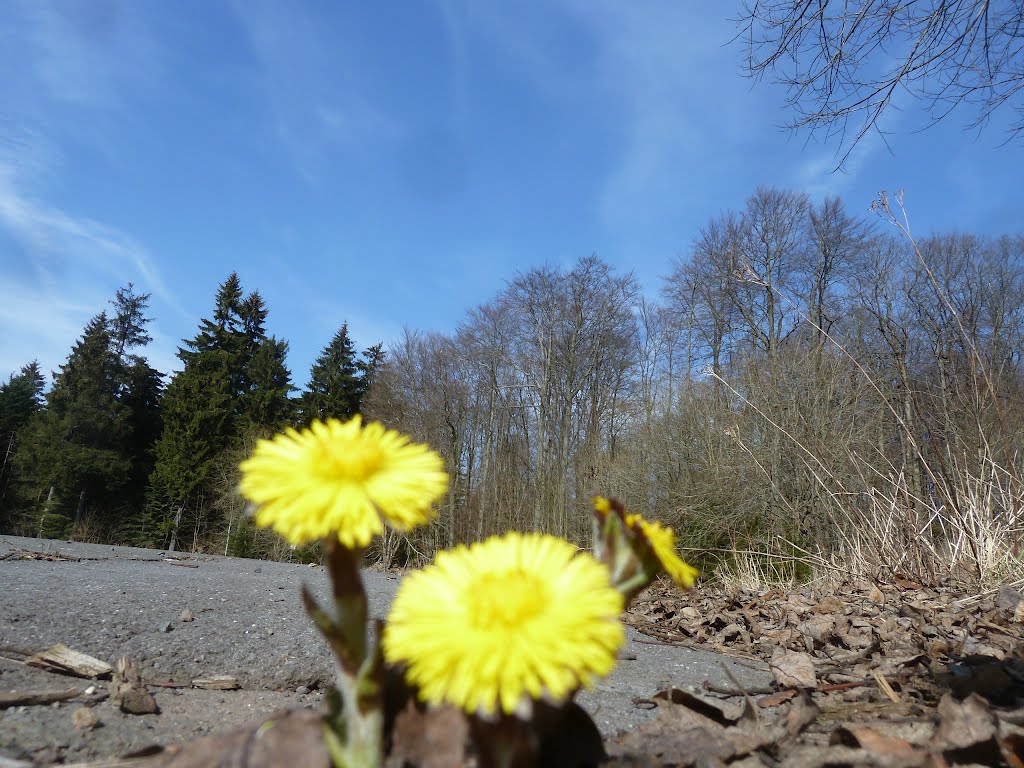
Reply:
x=65, y=270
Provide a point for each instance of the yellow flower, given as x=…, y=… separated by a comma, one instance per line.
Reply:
x=342, y=479
x=504, y=622
x=662, y=541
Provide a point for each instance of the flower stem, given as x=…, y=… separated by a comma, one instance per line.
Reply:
x=356, y=727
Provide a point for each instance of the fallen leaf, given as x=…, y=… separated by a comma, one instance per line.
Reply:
x=428, y=738
x=964, y=723
x=872, y=741
x=775, y=699
x=794, y=670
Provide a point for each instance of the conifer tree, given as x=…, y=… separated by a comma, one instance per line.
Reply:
x=74, y=447
x=369, y=366
x=140, y=385
x=234, y=380
x=21, y=396
x=336, y=381
x=199, y=405
x=266, y=404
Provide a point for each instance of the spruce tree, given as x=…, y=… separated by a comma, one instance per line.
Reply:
x=266, y=405
x=140, y=387
x=75, y=447
x=235, y=381
x=21, y=396
x=199, y=406
x=369, y=366
x=335, y=383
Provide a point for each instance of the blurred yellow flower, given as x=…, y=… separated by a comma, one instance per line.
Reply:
x=342, y=479
x=662, y=541
x=501, y=623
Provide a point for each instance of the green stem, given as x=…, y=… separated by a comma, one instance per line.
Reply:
x=356, y=732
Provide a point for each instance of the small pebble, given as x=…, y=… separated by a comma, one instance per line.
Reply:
x=165, y=627
x=84, y=718
x=257, y=570
x=301, y=690
x=186, y=615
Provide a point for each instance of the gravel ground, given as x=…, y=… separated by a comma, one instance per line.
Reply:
x=247, y=622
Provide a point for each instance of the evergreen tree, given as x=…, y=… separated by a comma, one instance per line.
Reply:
x=128, y=325
x=199, y=405
x=140, y=386
x=266, y=405
x=74, y=447
x=336, y=383
x=369, y=366
x=21, y=396
x=235, y=380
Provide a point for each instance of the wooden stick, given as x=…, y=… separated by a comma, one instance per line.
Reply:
x=33, y=698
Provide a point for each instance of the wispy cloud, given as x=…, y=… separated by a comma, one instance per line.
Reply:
x=64, y=270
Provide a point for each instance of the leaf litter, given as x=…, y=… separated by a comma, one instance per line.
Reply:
x=894, y=674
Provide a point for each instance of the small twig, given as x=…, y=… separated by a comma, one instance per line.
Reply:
x=841, y=686
x=167, y=684
x=751, y=704
x=34, y=698
x=726, y=691
x=884, y=686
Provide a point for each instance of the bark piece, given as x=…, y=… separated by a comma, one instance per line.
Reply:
x=67, y=661
x=217, y=683
x=34, y=698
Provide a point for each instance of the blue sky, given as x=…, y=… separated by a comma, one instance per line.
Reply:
x=393, y=163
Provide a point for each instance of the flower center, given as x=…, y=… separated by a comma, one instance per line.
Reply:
x=506, y=600
x=356, y=464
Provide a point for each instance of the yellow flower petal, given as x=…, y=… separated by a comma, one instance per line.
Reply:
x=510, y=619
x=342, y=479
x=662, y=541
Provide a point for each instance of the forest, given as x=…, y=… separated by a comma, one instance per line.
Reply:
x=808, y=391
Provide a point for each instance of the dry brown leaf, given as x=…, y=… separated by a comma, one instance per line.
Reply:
x=963, y=724
x=775, y=699
x=872, y=741
x=721, y=712
x=289, y=737
x=428, y=739
x=802, y=713
x=794, y=670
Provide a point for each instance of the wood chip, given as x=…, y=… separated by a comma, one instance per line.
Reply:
x=217, y=683
x=60, y=658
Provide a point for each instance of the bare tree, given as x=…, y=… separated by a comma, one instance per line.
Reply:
x=844, y=63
